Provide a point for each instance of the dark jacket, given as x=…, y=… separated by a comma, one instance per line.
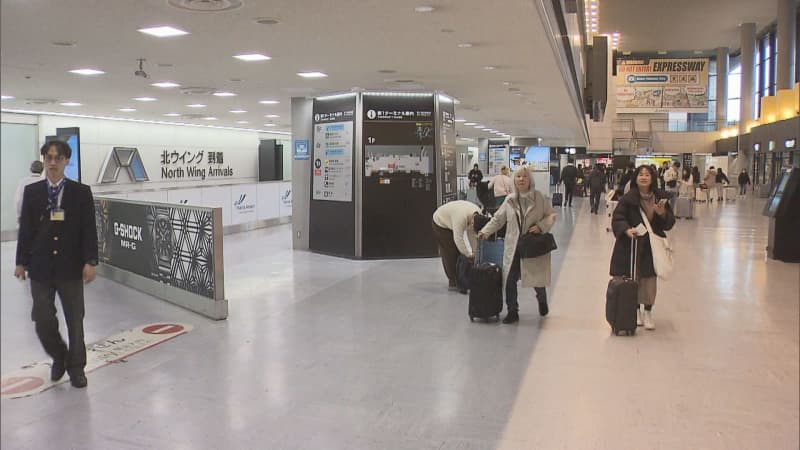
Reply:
x=475, y=176
x=627, y=215
x=569, y=175
x=624, y=180
x=597, y=180
x=57, y=250
x=696, y=175
x=722, y=177
x=744, y=178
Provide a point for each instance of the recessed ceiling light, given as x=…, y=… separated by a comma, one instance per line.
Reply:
x=269, y=102
x=196, y=105
x=469, y=124
x=71, y=104
x=424, y=9
x=448, y=30
x=269, y=125
x=165, y=84
x=209, y=118
x=145, y=99
x=161, y=32
x=87, y=71
x=252, y=57
x=64, y=44
x=480, y=127
x=489, y=67
x=242, y=122
x=461, y=120
x=237, y=111
x=224, y=94
x=272, y=116
x=662, y=52
x=312, y=74
x=7, y=97
x=165, y=65
x=465, y=45
x=172, y=114
x=127, y=110
x=387, y=71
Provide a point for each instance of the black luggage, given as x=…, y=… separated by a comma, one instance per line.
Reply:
x=482, y=219
x=463, y=268
x=558, y=198
x=622, y=299
x=486, y=289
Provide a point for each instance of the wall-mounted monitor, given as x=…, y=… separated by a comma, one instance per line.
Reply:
x=72, y=137
x=783, y=194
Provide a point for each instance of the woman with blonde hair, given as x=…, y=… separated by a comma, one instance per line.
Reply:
x=525, y=210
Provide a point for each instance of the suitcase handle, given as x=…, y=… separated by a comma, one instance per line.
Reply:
x=634, y=259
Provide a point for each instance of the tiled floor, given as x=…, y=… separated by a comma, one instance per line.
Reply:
x=325, y=353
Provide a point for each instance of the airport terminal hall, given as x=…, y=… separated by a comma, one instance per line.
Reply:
x=400, y=225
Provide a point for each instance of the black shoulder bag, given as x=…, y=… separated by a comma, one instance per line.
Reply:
x=532, y=245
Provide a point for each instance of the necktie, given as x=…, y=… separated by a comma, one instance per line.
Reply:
x=52, y=195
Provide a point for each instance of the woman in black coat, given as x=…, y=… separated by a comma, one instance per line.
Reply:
x=643, y=196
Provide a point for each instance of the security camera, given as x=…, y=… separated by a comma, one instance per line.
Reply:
x=141, y=72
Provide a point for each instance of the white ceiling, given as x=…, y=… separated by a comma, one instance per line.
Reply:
x=682, y=25
x=350, y=40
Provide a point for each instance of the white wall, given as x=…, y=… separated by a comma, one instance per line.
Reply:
x=18, y=148
x=98, y=137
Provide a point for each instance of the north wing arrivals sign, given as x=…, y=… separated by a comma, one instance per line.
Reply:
x=662, y=85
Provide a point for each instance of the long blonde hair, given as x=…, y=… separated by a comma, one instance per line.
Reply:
x=524, y=171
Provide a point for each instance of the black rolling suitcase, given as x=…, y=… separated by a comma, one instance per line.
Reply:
x=485, y=289
x=622, y=299
x=558, y=197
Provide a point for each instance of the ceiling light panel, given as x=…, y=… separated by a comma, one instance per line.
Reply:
x=196, y=105
x=87, y=72
x=7, y=97
x=71, y=104
x=237, y=111
x=224, y=94
x=166, y=84
x=312, y=74
x=272, y=116
x=424, y=9
x=163, y=31
x=249, y=57
x=269, y=102
x=127, y=110
x=145, y=99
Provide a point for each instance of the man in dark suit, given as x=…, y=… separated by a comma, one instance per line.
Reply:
x=569, y=176
x=57, y=246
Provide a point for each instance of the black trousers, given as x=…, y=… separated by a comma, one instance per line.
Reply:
x=448, y=251
x=594, y=198
x=569, y=190
x=44, y=315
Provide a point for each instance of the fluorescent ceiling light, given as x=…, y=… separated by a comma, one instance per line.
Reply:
x=424, y=9
x=272, y=116
x=145, y=99
x=469, y=124
x=242, y=122
x=480, y=127
x=71, y=104
x=461, y=120
x=161, y=32
x=127, y=110
x=7, y=97
x=269, y=125
x=269, y=102
x=196, y=105
x=237, y=111
x=465, y=45
x=209, y=118
x=87, y=71
x=489, y=67
x=253, y=57
x=312, y=74
x=224, y=94
x=165, y=84
x=172, y=114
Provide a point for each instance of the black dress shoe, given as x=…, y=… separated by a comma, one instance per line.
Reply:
x=511, y=317
x=78, y=380
x=57, y=369
x=543, y=309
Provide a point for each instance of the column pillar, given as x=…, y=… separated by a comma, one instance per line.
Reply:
x=722, y=87
x=748, y=44
x=787, y=31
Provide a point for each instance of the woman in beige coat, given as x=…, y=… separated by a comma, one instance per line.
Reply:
x=530, y=208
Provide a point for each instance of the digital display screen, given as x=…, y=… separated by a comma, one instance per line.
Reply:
x=73, y=169
x=783, y=192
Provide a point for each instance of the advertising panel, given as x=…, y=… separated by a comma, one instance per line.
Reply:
x=498, y=157
x=447, y=145
x=170, y=244
x=244, y=201
x=653, y=85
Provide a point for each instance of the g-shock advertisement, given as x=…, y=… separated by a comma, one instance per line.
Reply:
x=169, y=244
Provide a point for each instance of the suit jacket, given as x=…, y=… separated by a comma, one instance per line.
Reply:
x=57, y=250
x=569, y=175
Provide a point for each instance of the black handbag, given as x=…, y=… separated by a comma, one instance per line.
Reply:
x=532, y=245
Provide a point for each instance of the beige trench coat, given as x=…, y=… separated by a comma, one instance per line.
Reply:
x=535, y=271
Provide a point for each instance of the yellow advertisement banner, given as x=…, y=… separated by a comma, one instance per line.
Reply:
x=647, y=85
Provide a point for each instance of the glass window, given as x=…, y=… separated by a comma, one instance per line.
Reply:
x=735, y=82
x=733, y=110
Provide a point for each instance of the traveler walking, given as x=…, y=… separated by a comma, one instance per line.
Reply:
x=502, y=185
x=569, y=176
x=744, y=180
x=722, y=180
x=597, y=187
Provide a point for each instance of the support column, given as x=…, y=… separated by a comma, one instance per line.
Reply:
x=748, y=44
x=787, y=31
x=722, y=87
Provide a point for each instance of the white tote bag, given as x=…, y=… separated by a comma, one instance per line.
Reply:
x=662, y=251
